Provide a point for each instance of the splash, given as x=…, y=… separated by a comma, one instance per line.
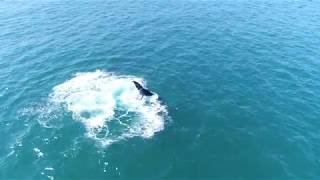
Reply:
x=109, y=106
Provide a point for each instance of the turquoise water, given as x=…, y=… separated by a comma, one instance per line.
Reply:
x=239, y=83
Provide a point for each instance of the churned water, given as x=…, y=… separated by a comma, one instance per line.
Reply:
x=236, y=86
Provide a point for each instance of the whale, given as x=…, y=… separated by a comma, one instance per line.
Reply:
x=143, y=91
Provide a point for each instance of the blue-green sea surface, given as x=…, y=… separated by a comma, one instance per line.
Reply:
x=236, y=83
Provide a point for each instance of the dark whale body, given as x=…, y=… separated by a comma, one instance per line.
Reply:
x=142, y=90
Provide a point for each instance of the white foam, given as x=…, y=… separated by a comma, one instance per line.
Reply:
x=110, y=106
x=38, y=152
x=49, y=168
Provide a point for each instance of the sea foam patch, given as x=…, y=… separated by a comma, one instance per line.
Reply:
x=109, y=106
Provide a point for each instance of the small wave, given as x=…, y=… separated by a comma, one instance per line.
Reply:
x=109, y=106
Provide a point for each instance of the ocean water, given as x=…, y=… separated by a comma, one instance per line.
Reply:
x=237, y=87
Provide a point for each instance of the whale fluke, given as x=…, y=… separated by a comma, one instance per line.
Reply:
x=142, y=90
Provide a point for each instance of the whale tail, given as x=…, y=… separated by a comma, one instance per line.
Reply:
x=138, y=86
x=143, y=91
